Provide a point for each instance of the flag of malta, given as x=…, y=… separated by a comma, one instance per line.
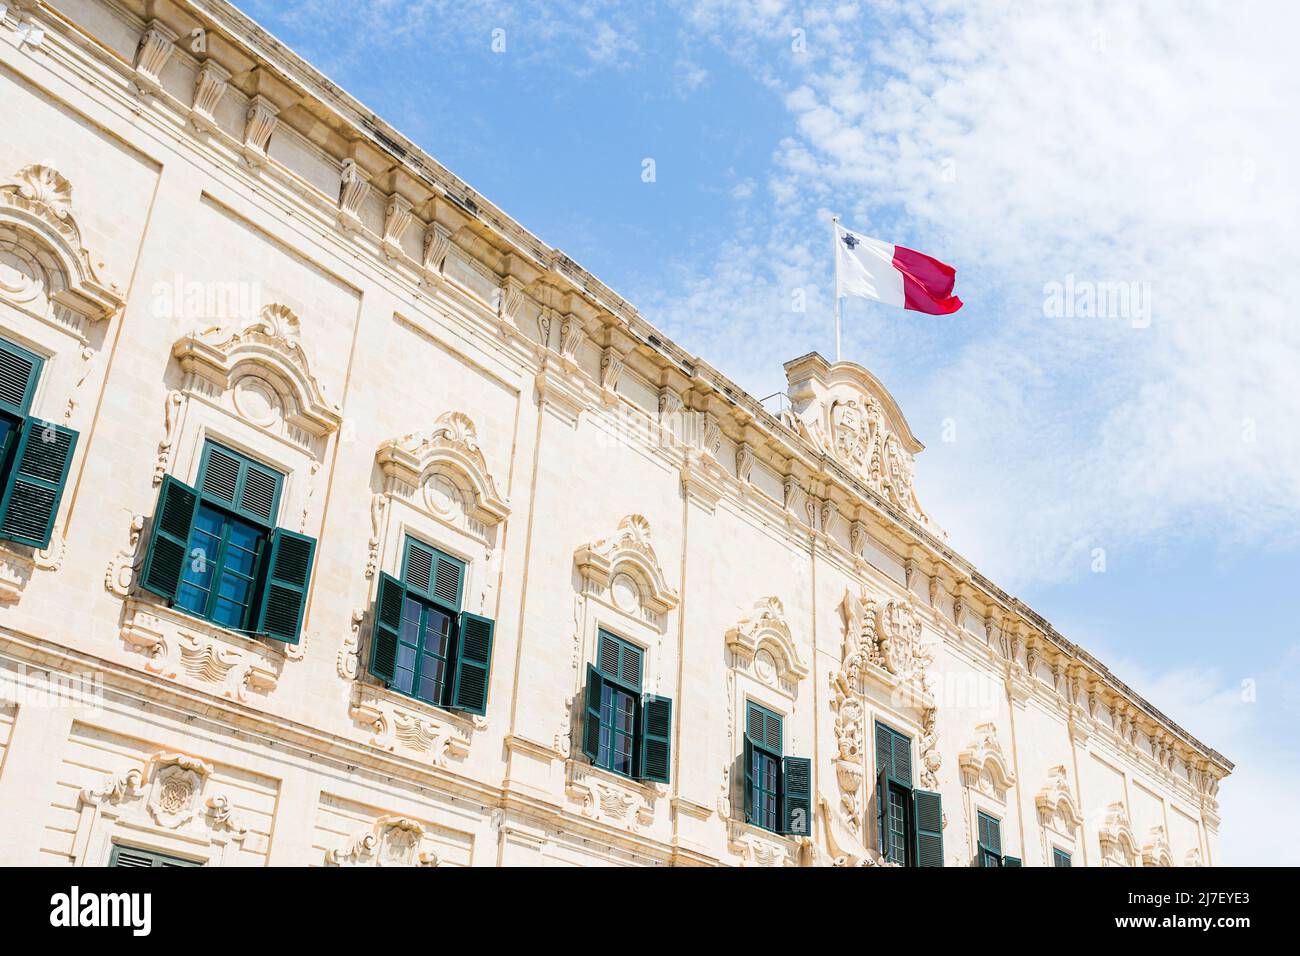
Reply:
x=892, y=274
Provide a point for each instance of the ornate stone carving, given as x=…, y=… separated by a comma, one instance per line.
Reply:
x=1118, y=847
x=867, y=432
x=763, y=637
x=264, y=360
x=171, y=419
x=260, y=123
x=37, y=202
x=757, y=847
x=210, y=87
x=744, y=463
x=600, y=796
x=437, y=244
x=348, y=663
x=611, y=367
x=396, y=218
x=451, y=446
x=1155, y=851
x=354, y=186
x=885, y=636
x=984, y=766
x=392, y=841
x=629, y=550
x=119, y=576
x=1055, y=803
x=842, y=848
x=179, y=647
x=174, y=788
x=156, y=47
x=398, y=723
x=510, y=302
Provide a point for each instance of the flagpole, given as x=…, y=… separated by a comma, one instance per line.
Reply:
x=835, y=251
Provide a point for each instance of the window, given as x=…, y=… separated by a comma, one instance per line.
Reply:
x=424, y=645
x=35, y=455
x=1060, y=857
x=909, y=821
x=990, y=843
x=778, y=789
x=131, y=856
x=215, y=551
x=625, y=731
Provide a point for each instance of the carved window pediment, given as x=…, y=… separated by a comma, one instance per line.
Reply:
x=625, y=563
x=984, y=766
x=264, y=369
x=1156, y=852
x=1118, y=845
x=448, y=467
x=1055, y=803
x=38, y=201
x=762, y=638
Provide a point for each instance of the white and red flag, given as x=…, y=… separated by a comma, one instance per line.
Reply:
x=892, y=274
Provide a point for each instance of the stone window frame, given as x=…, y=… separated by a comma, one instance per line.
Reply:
x=61, y=313
x=247, y=385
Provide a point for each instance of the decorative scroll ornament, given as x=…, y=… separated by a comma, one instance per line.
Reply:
x=392, y=841
x=38, y=202
x=175, y=789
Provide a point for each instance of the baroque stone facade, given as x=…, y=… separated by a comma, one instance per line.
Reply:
x=205, y=240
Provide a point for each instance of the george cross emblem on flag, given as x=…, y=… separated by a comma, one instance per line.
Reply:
x=849, y=240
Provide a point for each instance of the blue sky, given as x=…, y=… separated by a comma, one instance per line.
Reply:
x=1023, y=143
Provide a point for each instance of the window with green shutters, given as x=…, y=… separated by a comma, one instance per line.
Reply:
x=624, y=730
x=215, y=551
x=134, y=857
x=423, y=643
x=778, y=788
x=909, y=822
x=1060, y=857
x=990, y=840
x=35, y=455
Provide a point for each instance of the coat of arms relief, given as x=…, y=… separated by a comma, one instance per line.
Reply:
x=882, y=648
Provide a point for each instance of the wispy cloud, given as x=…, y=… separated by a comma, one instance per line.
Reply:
x=1096, y=143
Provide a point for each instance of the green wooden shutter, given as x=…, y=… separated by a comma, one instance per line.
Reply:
x=884, y=748
x=473, y=664
x=248, y=488
x=437, y=575
x=796, y=795
x=591, y=718
x=749, y=779
x=1011, y=861
x=169, y=538
x=1060, y=858
x=20, y=370
x=34, y=486
x=882, y=804
x=656, y=731
x=286, y=577
x=388, y=622
x=927, y=824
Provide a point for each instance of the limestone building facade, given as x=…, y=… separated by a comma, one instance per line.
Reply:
x=347, y=523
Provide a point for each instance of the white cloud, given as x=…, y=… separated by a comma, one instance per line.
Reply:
x=1104, y=141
